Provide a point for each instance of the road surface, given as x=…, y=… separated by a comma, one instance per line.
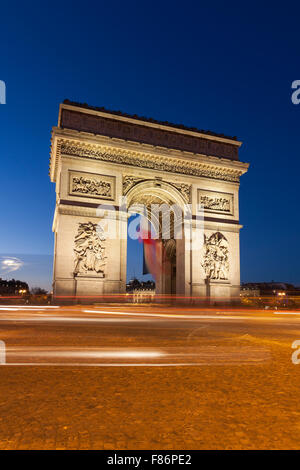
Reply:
x=142, y=377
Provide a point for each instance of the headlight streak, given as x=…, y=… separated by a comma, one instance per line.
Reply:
x=29, y=307
x=85, y=353
x=167, y=315
x=286, y=313
x=78, y=364
x=43, y=318
x=233, y=356
x=111, y=320
x=39, y=316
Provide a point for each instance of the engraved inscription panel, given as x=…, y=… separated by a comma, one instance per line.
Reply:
x=213, y=201
x=91, y=185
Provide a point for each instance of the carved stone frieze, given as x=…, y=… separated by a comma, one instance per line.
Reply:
x=91, y=185
x=171, y=165
x=131, y=180
x=214, y=201
x=185, y=190
x=89, y=250
x=216, y=257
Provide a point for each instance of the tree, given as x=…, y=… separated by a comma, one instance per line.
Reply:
x=38, y=291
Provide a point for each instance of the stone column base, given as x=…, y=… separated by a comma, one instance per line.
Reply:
x=218, y=290
x=89, y=285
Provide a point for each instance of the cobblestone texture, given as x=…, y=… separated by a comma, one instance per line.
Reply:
x=203, y=407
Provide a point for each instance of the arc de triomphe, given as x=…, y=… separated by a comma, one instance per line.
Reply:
x=99, y=157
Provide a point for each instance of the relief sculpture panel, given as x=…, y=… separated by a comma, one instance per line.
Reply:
x=89, y=250
x=216, y=257
x=91, y=185
x=214, y=201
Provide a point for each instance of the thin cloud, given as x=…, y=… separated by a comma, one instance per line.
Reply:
x=9, y=264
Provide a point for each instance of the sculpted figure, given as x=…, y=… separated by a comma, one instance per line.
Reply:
x=89, y=249
x=215, y=257
x=217, y=203
x=91, y=186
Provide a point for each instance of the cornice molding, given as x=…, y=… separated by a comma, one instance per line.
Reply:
x=140, y=156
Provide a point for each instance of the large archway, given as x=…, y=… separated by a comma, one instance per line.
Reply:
x=162, y=232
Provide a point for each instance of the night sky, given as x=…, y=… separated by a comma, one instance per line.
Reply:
x=221, y=66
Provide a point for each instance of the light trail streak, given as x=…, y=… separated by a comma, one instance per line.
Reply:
x=286, y=313
x=180, y=316
x=237, y=362
x=39, y=319
x=94, y=353
x=212, y=356
x=167, y=315
x=7, y=309
x=74, y=364
x=29, y=307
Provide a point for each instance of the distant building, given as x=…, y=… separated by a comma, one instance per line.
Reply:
x=134, y=285
x=141, y=291
x=143, y=295
x=256, y=289
x=247, y=291
x=13, y=287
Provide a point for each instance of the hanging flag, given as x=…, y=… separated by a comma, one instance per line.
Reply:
x=145, y=267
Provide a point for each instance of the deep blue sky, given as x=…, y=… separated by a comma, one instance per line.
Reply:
x=223, y=66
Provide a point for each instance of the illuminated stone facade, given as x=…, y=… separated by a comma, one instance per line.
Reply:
x=98, y=157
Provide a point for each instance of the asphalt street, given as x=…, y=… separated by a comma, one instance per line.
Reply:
x=148, y=377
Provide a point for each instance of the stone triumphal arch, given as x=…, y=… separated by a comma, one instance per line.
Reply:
x=105, y=162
